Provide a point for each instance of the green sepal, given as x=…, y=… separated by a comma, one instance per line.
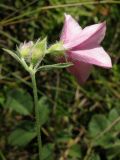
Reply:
x=56, y=49
x=39, y=51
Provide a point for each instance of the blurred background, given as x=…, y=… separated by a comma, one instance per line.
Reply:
x=79, y=122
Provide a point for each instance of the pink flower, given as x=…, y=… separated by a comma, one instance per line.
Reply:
x=82, y=47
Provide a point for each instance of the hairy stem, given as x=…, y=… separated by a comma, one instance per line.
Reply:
x=38, y=126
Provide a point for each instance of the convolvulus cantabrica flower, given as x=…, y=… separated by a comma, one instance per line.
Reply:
x=82, y=47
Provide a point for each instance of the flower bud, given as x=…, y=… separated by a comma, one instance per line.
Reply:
x=39, y=50
x=56, y=49
x=25, y=49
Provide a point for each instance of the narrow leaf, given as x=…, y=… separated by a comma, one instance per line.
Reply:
x=12, y=54
x=56, y=66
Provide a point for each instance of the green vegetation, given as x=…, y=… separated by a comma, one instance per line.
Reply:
x=79, y=122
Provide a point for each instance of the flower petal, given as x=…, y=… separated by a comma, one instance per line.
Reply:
x=71, y=29
x=96, y=56
x=90, y=36
x=81, y=71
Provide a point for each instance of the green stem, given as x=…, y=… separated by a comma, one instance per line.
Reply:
x=87, y=156
x=38, y=126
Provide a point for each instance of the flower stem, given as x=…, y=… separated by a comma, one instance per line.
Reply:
x=38, y=126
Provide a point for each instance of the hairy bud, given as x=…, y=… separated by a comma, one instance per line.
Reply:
x=25, y=49
x=39, y=50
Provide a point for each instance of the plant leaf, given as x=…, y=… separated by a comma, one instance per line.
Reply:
x=21, y=137
x=97, y=124
x=113, y=115
x=75, y=151
x=12, y=54
x=47, y=151
x=19, y=101
x=56, y=66
x=43, y=110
